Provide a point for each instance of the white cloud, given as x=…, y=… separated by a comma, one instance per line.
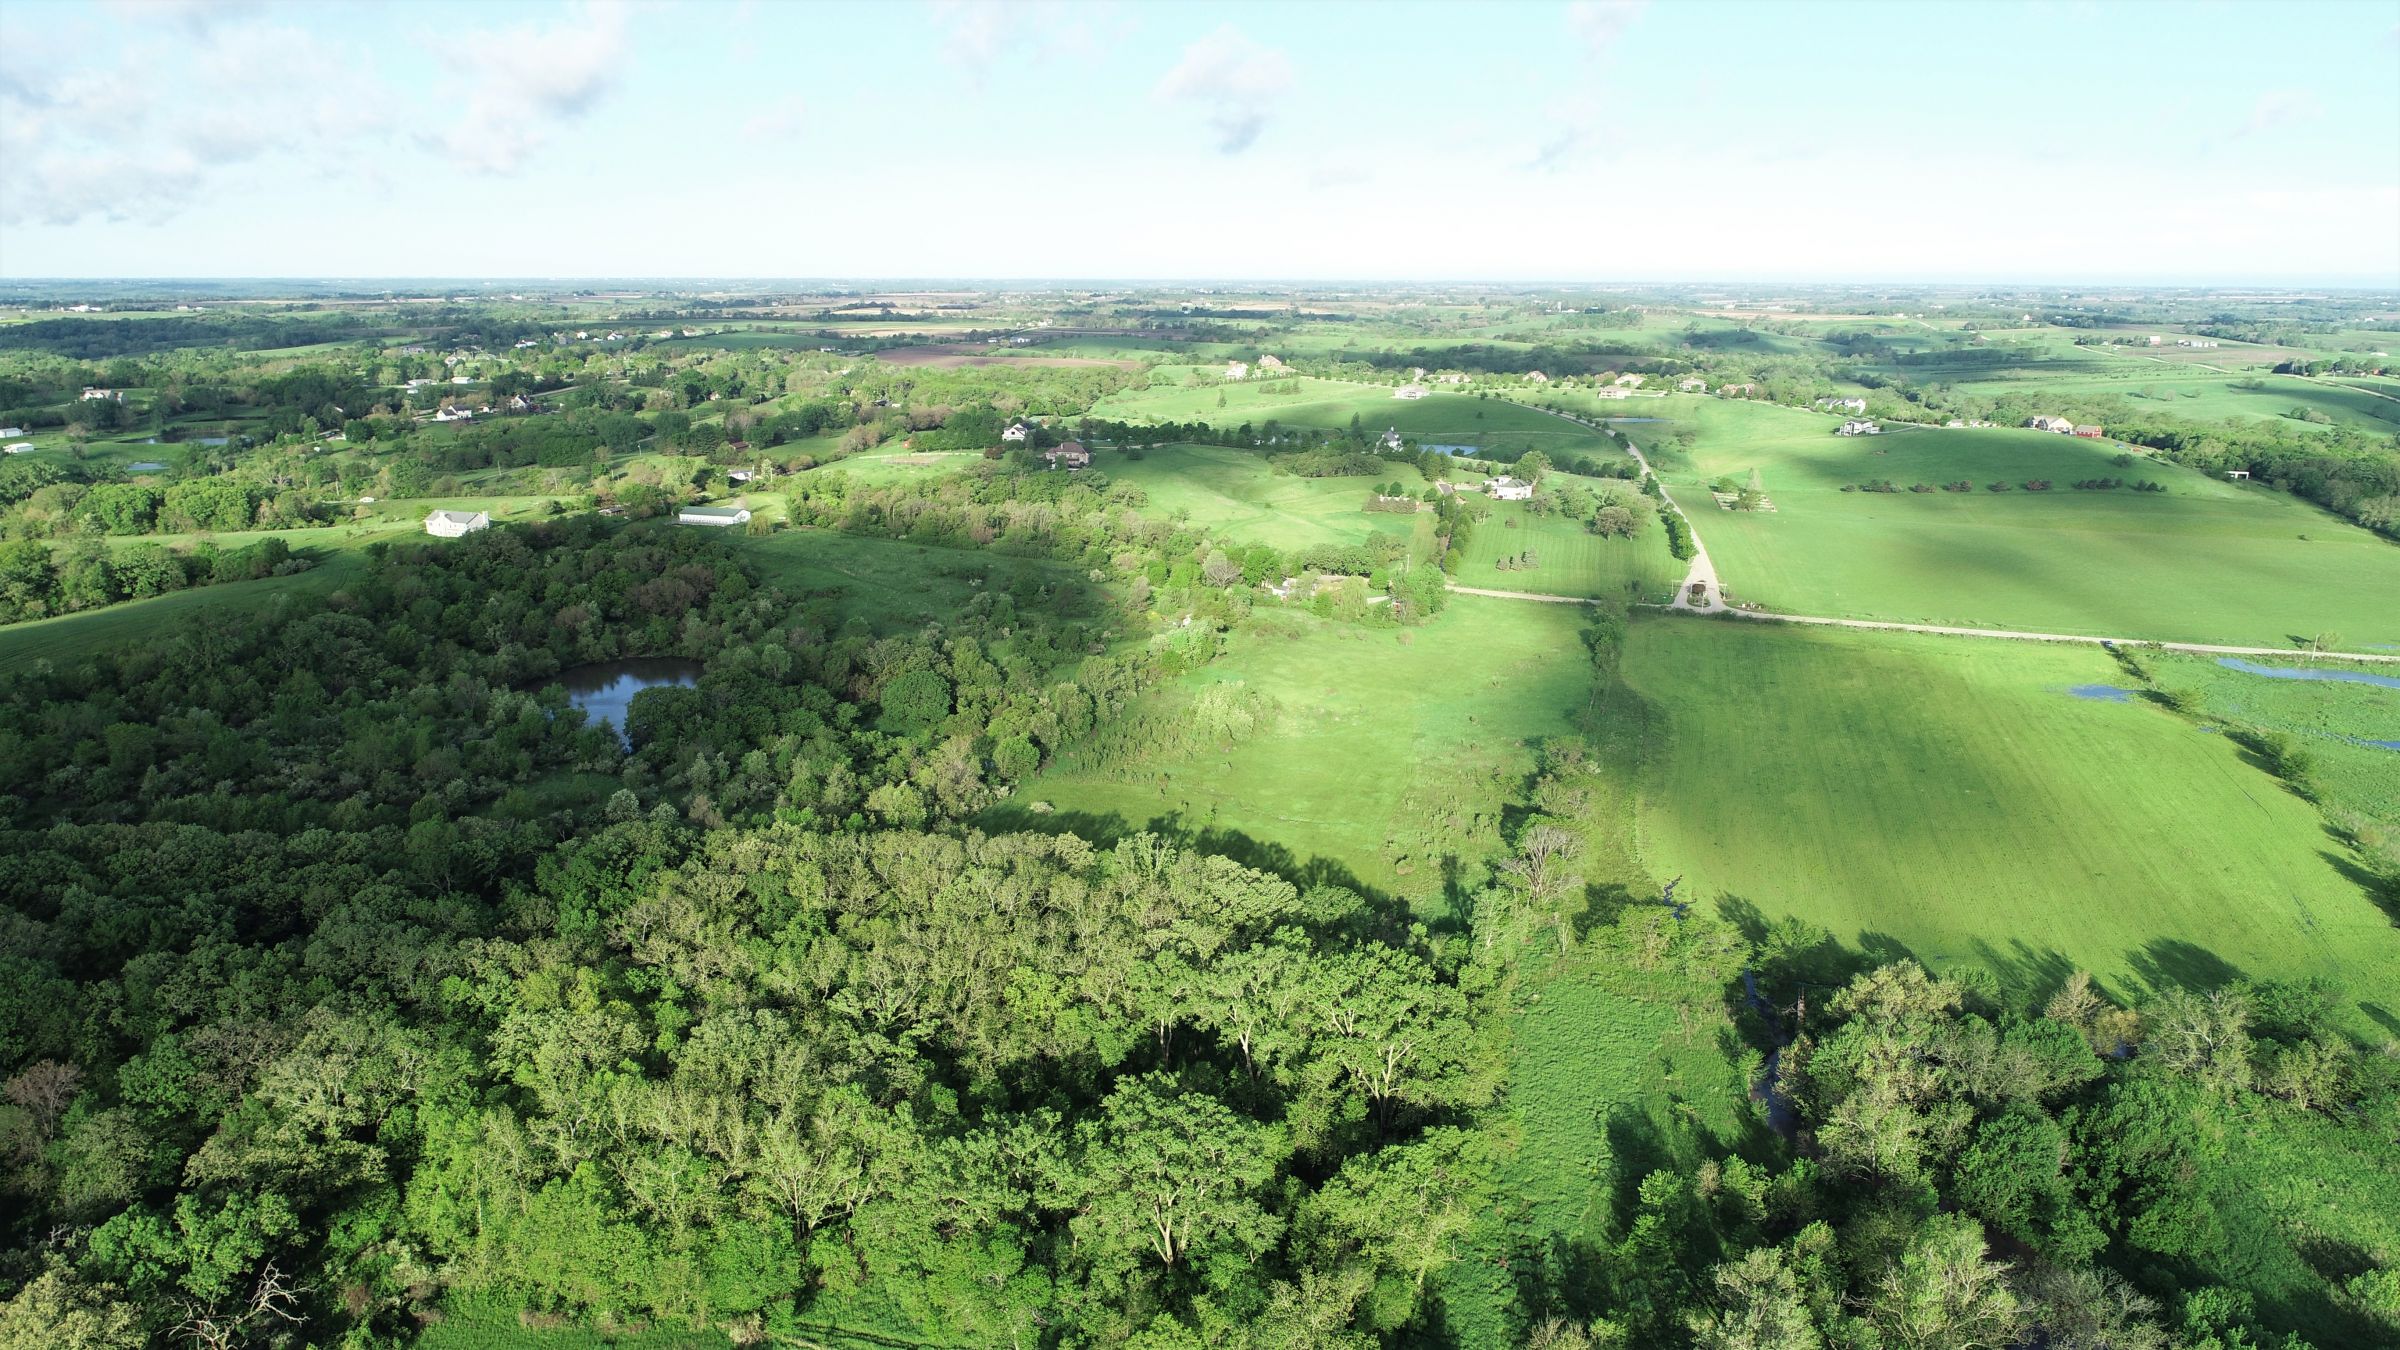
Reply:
x=142, y=128
x=1236, y=79
x=1599, y=23
x=981, y=36
x=524, y=81
x=2280, y=108
x=777, y=121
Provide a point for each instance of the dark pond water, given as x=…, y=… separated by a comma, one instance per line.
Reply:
x=2291, y=673
x=2105, y=693
x=605, y=689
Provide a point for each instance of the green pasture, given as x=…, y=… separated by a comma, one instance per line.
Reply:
x=1388, y=753
x=2205, y=561
x=895, y=586
x=1951, y=798
x=1237, y=495
x=1500, y=428
x=73, y=637
x=1570, y=560
x=2333, y=720
x=898, y=464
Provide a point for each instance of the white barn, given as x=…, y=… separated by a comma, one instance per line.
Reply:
x=452, y=524
x=720, y=516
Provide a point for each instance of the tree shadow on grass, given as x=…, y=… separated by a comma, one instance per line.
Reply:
x=2171, y=963
x=2028, y=976
x=2382, y=892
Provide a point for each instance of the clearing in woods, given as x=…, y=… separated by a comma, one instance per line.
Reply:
x=1238, y=495
x=1389, y=752
x=1567, y=558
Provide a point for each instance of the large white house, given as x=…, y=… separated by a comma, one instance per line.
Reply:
x=720, y=516
x=452, y=524
x=2064, y=426
x=1016, y=431
x=1508, y=489
x=1859, y=427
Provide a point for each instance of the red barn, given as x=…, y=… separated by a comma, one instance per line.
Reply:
x=2090, y=433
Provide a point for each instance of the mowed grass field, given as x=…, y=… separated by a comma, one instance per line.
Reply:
x=1495, y=426
x=1952, y=798
x=2350, y=728
x=1570, y=559
x=1237, y=494
x=895, y=585
x=2204, y=561
x=1384, y=751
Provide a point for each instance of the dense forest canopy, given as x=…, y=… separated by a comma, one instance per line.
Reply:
x=357, y=988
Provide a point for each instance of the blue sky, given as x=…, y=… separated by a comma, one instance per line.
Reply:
x=2073, y=142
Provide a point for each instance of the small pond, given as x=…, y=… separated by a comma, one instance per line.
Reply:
x=605, y=689
x=2292, y=673
x=2102, y=693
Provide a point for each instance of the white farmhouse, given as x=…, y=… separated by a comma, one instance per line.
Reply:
x=1016, y=431
x=1859, y=427
x=1508, y=489
x=1237, y=370
x=452, y=524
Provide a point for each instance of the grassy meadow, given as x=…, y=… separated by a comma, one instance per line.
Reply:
x=894, y=585
x=1237, y=494
x=1496, y=426
x=2204, y=561
x=1570, y=560
x=1388, y=752
x=2338, y=723
x=1954, y=799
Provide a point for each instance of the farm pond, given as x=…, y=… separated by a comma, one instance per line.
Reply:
x=2289, y=673
x=605, y=689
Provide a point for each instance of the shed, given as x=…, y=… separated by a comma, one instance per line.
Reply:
x=720, y=516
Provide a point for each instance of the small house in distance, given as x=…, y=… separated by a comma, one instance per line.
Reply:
x=1072, y=455
x=1270, y=361
x=452, y=524
x=1411, y=391
x=1859, y=426
x=720, y=516
x=1016, y=431
x=1391, y=439
x=1856, y=405
x=2090, y=433
x=1507, y=489
x=1537, y=377
x=1612, y=391
x=2061, y=425
x=1743, y=390
x=1692, y=386
x=1237, y=370
x=91, y=395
